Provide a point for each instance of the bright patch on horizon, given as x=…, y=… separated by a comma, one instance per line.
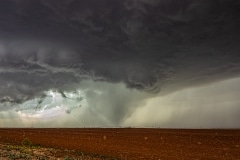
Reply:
x=52, y=105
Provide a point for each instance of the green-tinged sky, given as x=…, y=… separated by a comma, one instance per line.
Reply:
x=101, y=104
x=106, y=63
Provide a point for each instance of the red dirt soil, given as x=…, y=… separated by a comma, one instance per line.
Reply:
x=135, y=143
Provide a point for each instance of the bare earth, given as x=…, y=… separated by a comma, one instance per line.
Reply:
x=125, y=143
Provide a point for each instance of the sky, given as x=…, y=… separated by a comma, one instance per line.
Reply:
x=129, y=63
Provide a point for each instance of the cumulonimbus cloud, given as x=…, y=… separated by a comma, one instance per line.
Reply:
x=149, y=45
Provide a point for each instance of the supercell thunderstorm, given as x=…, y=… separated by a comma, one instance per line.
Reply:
x=100, y=61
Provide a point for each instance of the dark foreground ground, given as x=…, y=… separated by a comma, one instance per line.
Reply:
x=131, y=143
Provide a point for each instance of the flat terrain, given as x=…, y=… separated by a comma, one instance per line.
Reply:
x=134, y=144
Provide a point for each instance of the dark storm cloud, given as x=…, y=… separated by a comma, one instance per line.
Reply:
x=149, y=45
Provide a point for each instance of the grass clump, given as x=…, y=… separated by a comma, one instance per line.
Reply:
x=26, y=142
x=67, y=158
x=12, y=156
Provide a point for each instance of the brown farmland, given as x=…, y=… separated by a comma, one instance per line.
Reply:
x=135, y=144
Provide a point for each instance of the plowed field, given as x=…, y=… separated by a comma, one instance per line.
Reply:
x=135, y=144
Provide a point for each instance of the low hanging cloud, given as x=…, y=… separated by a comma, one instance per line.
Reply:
x=211, y=106
x=101, y=104
x=93, y=104
x=152, y=46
